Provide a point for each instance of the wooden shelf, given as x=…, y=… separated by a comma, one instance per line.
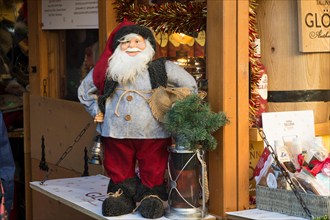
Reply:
x=322, y=129
x=254, y=135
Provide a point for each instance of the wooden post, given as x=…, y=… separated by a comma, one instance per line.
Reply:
x=107, y=22
x=27, y=156
x=227, y=65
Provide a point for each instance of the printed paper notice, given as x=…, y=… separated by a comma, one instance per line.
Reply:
x=73, y=14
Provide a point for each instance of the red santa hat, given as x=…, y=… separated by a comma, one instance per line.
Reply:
x=124, y=28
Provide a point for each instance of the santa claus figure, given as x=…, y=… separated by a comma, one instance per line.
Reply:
x=117, y=93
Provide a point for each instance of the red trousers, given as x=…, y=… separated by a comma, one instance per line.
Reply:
x=120, y=156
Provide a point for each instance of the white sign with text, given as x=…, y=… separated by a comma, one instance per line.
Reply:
x=288, y=125
x=73, y=14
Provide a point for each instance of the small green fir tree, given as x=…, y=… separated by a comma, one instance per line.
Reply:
x=191, y=123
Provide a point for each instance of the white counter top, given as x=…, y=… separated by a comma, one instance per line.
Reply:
x=257, y=214
x=84, y=194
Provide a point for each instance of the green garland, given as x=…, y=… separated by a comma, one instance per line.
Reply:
x=188, y=18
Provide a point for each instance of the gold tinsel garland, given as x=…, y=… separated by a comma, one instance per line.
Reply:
x=255, y=64
x=175, y=17
x=190, y=18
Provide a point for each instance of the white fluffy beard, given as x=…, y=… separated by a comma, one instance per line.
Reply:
x=124, y=68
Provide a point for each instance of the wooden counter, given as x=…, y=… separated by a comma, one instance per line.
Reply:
x=257, y=214
x=83, y=194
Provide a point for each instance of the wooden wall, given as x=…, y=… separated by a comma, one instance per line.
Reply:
x=287, y=68
x=46, y=56
x=64, y=125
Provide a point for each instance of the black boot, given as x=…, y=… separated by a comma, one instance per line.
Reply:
x=120, y=198
x=151, y=199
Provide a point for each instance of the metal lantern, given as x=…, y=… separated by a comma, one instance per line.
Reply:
x=96, y=151
x=186, y=172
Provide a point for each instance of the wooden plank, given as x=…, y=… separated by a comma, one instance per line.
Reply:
x=34, y=83
x=243, y=152
x=56, y=62
x=214, y=66
x=321, y=109
x=322, y=129
x=62, y=65
x=42, y=56
x=287, y=68
x=46, y=50
x=254, y=135
x=107, y=22
x=233, y=142
x=47, y=208
x=34, y=45
x=60, y=122
x=230, y=105
x=27, y=156
x=222, y=79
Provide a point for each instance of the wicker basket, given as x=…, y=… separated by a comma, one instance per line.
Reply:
x=285, y=201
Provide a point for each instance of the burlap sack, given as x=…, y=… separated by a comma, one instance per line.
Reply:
x=163, y=98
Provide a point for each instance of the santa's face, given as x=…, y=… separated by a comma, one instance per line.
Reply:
x=133, y=46
x=130, y=59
